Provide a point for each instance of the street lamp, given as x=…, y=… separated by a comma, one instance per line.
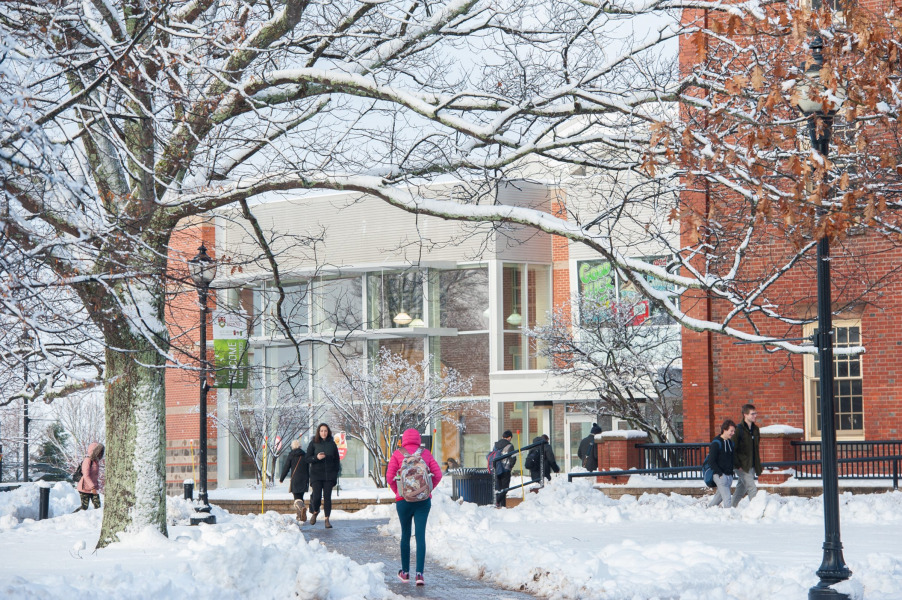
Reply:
x=203, y=272
x=819, y=105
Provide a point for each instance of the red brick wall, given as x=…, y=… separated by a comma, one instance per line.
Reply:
x=719, y=376
x=183, y=387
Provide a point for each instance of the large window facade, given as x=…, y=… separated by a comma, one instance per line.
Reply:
x=445, y=310
x=847, y=385
x=526, y=300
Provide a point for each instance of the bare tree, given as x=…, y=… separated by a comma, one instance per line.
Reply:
x=377, y=400
x=630, y=368
x=124, y=118
x=82, y=419
x=271, y=408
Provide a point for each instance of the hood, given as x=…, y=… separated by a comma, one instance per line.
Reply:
x=411, y=437
x=503, y=443
x=296, y=452
x=93, y=449
x=537, y=439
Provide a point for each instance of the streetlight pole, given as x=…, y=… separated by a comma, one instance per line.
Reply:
x=833, y=568
x=203, y=271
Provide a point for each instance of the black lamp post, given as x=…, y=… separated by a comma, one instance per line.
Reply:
x=203, y=272
x=820, y=115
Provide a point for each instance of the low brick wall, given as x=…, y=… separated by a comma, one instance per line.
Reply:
x=248, y=507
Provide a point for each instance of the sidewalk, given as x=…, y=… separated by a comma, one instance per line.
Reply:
x=361, y=541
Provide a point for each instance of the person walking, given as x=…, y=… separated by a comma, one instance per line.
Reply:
x=748, y=455
x=506, y=467
x=587, y=452
x=550, y=460
x=720, y=459
x=322, y=455
x=299, y=480
x=89, y=485
x=408, y=467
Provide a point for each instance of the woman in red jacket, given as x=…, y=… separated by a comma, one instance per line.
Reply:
x=89, y=485
x=408, y=511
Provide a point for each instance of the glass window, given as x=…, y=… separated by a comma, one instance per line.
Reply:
x=526, y=300
x=464, y=299
x=848, y=390
x=600, y=286
x=395, y=299
x=294, y=309
x=339, y=304
x=468, y=354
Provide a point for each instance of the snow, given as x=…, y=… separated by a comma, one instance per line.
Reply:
x=781, y=430
x=623, y=434
x=568, y=541
x=255, y=556
x=571, y=542
x=358, y=488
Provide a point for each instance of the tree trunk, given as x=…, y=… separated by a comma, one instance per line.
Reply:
x=135, y=398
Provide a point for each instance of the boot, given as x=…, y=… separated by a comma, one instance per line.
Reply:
x=328, y=524
x=313, y=517
x=301, y=510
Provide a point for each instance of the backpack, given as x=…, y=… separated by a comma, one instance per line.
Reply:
x=532, y=461
x=502, y=466
x=76, y=476
x=414, y=477
x=708, y=470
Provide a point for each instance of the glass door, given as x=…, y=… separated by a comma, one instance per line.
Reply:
x=577, y=427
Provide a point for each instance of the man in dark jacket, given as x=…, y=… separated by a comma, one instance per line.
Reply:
x=537, y=470
x=748, y=454
x=587, y=452
x=503, y=480
x=300, y=478
x=721, y=460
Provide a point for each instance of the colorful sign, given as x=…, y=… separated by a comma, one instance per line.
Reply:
x=341, y=440
x=230, y=350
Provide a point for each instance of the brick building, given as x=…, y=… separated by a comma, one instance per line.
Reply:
x=721, y=375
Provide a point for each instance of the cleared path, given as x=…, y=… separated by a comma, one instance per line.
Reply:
x=361, y=541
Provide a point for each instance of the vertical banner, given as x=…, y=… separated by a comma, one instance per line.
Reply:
x=230, y=350
x=341, y=440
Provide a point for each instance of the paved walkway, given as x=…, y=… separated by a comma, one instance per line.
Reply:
x=361, y=541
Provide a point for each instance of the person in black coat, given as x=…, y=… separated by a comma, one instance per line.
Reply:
x=720, y=459
x=587, y=452
x=300, y=478
x=325, y=465
x=550, y=461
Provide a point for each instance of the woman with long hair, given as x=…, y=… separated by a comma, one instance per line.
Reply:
x=322, y=455
x=300, y=478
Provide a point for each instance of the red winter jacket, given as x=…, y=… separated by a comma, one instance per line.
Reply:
x=410, y=441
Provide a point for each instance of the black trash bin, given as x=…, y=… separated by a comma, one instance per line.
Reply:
x=472, y=485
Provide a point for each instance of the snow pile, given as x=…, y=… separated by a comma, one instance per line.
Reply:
x=570, y=541
x=22, y=503
x=256, y=556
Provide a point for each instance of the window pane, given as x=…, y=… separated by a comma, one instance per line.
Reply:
x=512, y=297
x=468, y=354
x=464, y=299
x=339, y=304
x=395, y=299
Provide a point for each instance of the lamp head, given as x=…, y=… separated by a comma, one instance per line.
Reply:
x=813, y=97
x=203, y=268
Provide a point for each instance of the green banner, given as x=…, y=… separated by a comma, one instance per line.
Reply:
x=231, y=364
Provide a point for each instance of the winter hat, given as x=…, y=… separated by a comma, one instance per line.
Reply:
x=595, y=429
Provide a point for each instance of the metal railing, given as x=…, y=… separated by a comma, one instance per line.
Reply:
x=685, y=472
x=681, y=461
x=530, y=481
x=879, y=465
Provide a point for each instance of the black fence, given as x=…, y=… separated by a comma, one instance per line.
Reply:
x=856, y=460
x=683, y=461
x=879, y=463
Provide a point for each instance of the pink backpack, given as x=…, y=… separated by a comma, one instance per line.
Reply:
x=414, y=477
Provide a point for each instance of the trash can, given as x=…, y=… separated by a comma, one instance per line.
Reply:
x=472, y=485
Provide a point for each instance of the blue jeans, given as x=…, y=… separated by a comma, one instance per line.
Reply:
x=418, y=512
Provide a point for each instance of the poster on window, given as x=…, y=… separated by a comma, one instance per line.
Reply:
x=597, y=288
x=230, y=357
x=602, y=288
x=341, y=440
x=640, y=307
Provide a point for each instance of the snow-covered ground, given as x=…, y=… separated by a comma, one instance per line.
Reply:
x=241, y=557
x=571, y=541
x=568, y=541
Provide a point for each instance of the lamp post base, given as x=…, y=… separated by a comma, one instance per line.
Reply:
x=823, y=591
x=203, y=515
